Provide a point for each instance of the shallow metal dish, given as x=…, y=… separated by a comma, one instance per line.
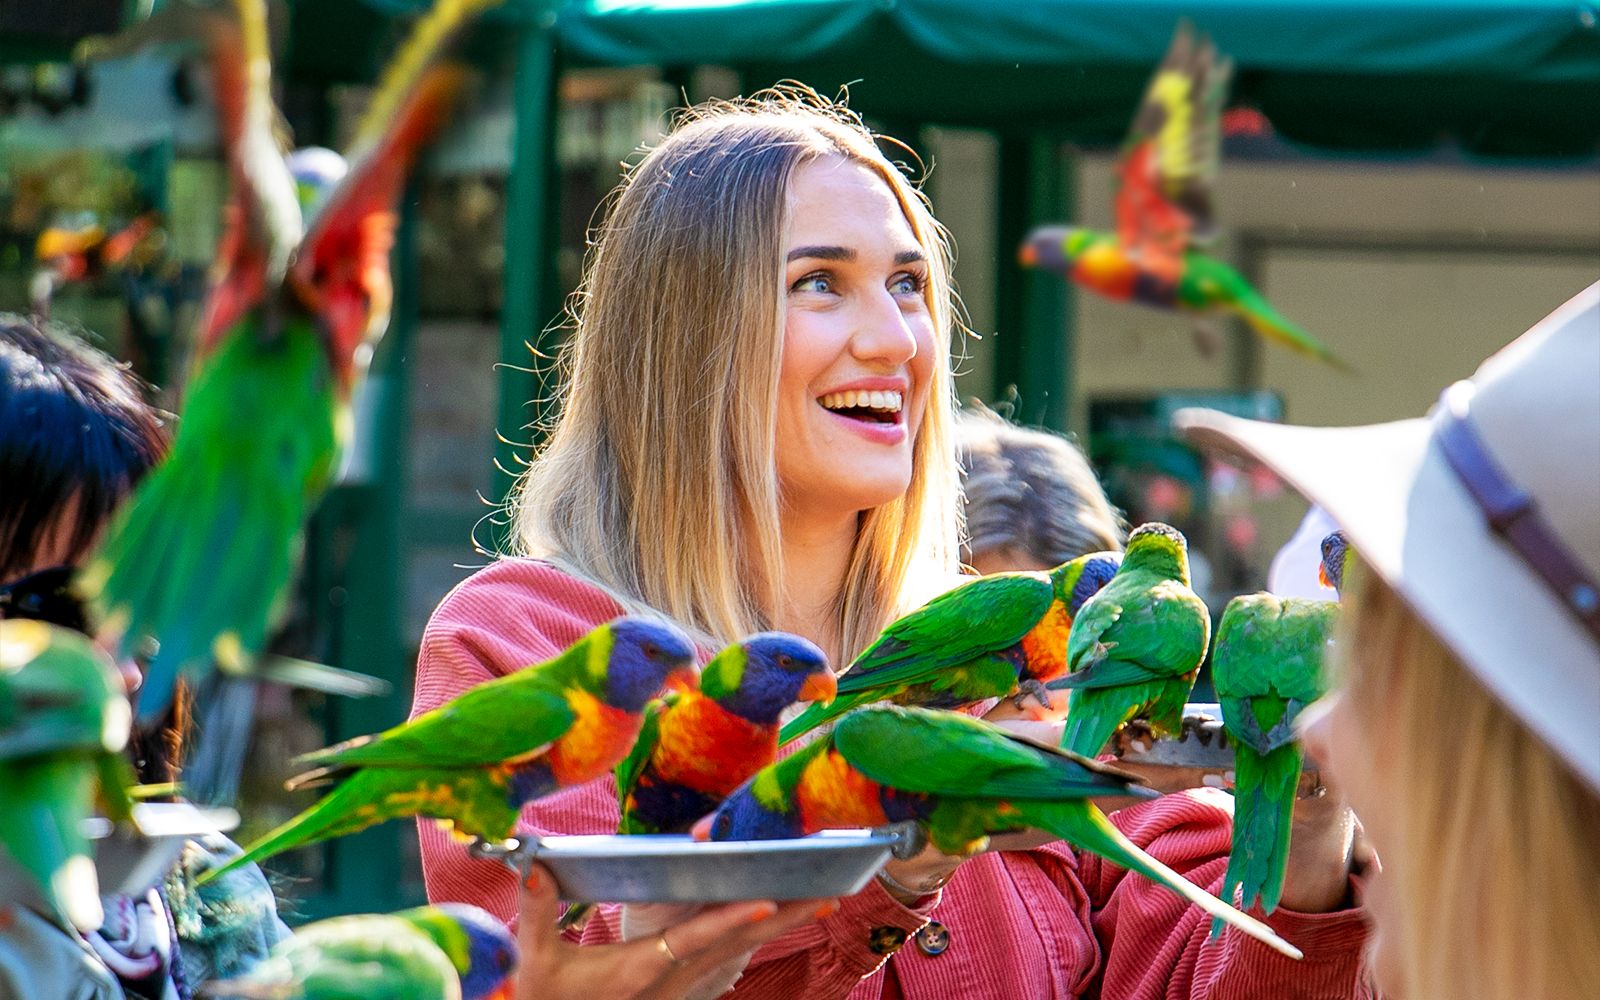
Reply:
x=674, y=868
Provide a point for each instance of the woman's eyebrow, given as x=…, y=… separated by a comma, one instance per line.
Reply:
x=846, y=254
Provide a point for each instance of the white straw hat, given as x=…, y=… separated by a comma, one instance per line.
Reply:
x=1484, y=516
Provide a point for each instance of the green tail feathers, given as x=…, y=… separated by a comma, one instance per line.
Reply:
x=201, y=558
x=1084, y=826
x=1263, y=814
x=365, y=799
x=1265, y=320
x=816, y=715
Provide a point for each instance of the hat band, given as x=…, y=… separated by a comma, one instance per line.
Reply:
x=1511, y=511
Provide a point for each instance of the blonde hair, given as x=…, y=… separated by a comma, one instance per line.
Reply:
x=1495, y=862
x=1031, y=491
x=658, y=480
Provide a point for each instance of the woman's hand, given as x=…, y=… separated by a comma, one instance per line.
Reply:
x=1326, y=845
x=664, y=966
x=914, y=878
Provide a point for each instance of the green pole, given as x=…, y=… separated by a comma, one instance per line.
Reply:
x=525, y=378
x=1033, y=336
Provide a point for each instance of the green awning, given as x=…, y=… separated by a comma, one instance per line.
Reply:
x=1518, y=78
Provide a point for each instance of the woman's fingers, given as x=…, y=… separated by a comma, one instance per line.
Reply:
x=538, y=941
x=713, y=948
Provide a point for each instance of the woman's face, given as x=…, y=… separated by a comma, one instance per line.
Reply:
x=858, y=343
x=1337, y=737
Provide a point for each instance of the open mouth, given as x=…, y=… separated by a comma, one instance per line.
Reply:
x=874, y=407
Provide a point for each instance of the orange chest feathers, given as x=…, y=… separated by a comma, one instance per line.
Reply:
x=831, y=793
x=1045, y=645
x=704, y=747
x=599, y=738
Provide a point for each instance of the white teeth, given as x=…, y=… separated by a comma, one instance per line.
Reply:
x=890, y=400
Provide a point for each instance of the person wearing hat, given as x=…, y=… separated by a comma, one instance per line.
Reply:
x=1465, y=727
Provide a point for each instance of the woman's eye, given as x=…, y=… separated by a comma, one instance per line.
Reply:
x=906, y=284
x=813, y=283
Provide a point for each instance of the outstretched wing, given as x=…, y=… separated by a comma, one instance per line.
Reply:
x=343, y=270
x=1169, y=161
x=946, y=753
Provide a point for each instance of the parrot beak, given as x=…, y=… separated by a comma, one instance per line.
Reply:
x=820, y=687
x=701, y=831
x=502, y=992
x=683, y=680
x=1045, y=248
x=1322, y=577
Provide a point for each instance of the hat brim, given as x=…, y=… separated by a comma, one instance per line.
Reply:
x=1403, y=509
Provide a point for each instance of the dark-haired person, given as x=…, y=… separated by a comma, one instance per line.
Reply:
x=76, y=436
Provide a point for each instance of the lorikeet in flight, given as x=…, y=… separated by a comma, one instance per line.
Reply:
x=994, y=636
x=63, y=724
x=1163, y=211
x=1336, y=554
x=698, y=746
x=476, y=760
x=1137, y=645
x=202, y=556
x=1267, y=667
x=451, y=951
x=962, y=780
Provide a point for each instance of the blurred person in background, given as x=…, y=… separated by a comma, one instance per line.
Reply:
x=76, y=437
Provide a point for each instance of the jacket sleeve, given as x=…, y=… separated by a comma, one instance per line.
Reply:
x=1154, y=944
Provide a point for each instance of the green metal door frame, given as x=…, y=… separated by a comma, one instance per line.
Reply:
x=1033, y=310
x=528, y=344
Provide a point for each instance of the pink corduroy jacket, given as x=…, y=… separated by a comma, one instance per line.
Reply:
x=1048, y=922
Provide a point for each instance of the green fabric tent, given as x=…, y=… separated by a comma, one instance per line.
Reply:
x=1501, y=77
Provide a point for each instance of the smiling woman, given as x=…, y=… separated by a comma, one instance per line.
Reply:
x=756, y=433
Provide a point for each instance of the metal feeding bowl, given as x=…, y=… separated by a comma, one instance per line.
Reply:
x=675, y=868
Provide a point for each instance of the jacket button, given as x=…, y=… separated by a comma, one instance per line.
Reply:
x=933, y=938
x=885, y=940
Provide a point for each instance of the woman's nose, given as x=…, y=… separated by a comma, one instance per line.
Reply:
x=882, y=332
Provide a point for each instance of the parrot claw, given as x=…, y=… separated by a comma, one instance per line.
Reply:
x=1030, y=688
x=910, y=839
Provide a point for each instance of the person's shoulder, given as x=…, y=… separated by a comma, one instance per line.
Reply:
x=511, y=613
x=511, y=586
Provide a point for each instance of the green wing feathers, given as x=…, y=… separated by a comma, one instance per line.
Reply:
x=202, y=555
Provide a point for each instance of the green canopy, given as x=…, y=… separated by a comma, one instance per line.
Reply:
x=1501, y=77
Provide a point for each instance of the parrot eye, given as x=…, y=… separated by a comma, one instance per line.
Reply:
x=785, y=660
x=721, y=826
x=652, y=651
x=502, y=961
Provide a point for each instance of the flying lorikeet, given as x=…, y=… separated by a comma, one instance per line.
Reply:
x=1336, y=553
x=476, y=760
x=201, y=557
x=63, y=724
x=1163, y=211
x=962, y=780
x=698, y=746
x=1267, y=667
x=995, y=636
x=451, y=951
x=1137, y=645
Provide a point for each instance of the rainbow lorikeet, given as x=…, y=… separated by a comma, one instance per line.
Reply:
x=1137, y=645
x=63, y=724
x=451, y=951
x=1336, y=554
x=994, y=636
x=201, y=557
x=1267, y=667
x=961, y=780
x=476, y=760
x=697, y=746
x=1163, y=211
